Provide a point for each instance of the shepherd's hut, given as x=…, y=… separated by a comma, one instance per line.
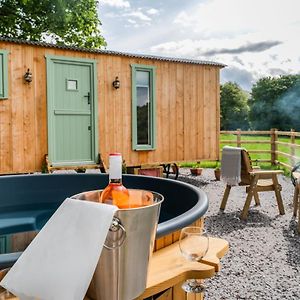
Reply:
x=70, y=104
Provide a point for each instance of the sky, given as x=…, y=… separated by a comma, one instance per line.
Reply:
x=254, y=38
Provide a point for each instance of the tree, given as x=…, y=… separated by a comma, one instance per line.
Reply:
x=234, y=107
x=275, y=103
x=68, y=22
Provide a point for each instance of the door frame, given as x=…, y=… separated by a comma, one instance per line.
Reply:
x=50, y=61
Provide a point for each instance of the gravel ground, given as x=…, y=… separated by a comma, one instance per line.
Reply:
x=263, y=262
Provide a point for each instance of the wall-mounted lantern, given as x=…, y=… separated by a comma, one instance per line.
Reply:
x=28, y=76
x=116, y=83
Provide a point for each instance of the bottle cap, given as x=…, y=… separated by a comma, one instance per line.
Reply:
x=115, y=154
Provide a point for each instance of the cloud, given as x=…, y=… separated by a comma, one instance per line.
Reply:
x=152, y=11
x=238, y=60
x=277, y=71
x=274, y=56
x=139, y=15
x=250, y=47
x=213, y=47
x=182, y=48
x=245, y=56
x=183, y=19
x=219, y=18
x=254, y=38
x=244, y=78
x=116, y=3
x=131, y=21
x=131, y=17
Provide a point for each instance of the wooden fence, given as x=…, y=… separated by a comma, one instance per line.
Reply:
x=273, y=142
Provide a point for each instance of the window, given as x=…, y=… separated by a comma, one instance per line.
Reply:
x=72, y=85
x=143, y=107
x=3, y=74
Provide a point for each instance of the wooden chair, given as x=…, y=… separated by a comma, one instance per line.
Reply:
x=256, y=181
x=295, y=173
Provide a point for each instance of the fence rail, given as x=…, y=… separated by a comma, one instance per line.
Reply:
x=273, y=141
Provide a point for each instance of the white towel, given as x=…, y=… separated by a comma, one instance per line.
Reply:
x=60, y=261
x=231, y=165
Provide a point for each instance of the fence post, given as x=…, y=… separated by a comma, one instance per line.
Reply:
x=273, y=134
x=292, y=149
x=238, y=138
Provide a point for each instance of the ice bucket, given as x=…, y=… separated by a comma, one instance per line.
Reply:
x=121, y=272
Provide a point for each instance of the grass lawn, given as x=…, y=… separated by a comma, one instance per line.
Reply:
x=253, y=146
x=266, y=146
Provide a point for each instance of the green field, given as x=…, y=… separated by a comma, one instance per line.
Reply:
x=253, y=146
x=266, y=146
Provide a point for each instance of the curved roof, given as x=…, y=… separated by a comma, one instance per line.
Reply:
x=110, y=52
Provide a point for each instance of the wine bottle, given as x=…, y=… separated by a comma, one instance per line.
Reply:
x=115, y=193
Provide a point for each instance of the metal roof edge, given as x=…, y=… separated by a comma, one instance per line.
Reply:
x=111, y=52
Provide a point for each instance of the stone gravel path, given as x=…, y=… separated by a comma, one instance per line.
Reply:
x=263, y=262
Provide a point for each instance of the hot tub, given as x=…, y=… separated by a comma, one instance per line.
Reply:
x=28, y=201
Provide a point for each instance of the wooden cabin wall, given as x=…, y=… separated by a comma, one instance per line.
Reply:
x=187, y=109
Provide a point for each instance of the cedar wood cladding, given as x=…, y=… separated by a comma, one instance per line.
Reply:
x=187, y=111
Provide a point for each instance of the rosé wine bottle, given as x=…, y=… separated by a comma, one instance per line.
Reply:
x=115, y=193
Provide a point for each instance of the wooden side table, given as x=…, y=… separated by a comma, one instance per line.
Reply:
x=168, y=269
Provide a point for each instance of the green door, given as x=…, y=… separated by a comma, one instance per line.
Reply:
x=71, y=111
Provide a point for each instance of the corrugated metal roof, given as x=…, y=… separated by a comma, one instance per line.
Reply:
x=110, y=52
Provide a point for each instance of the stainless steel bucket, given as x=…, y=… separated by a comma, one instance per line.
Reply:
x=121, y=273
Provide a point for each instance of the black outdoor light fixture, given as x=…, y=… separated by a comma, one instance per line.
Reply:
x=28, y=76
x=116, y=83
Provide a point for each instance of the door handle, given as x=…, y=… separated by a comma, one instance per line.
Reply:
x=88, y=97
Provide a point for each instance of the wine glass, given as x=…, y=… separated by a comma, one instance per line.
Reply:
x=193, y=244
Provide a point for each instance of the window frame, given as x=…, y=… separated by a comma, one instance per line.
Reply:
x=4, y=71
x=152, y=95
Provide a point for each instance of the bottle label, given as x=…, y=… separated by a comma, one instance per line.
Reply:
x=115, y=167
